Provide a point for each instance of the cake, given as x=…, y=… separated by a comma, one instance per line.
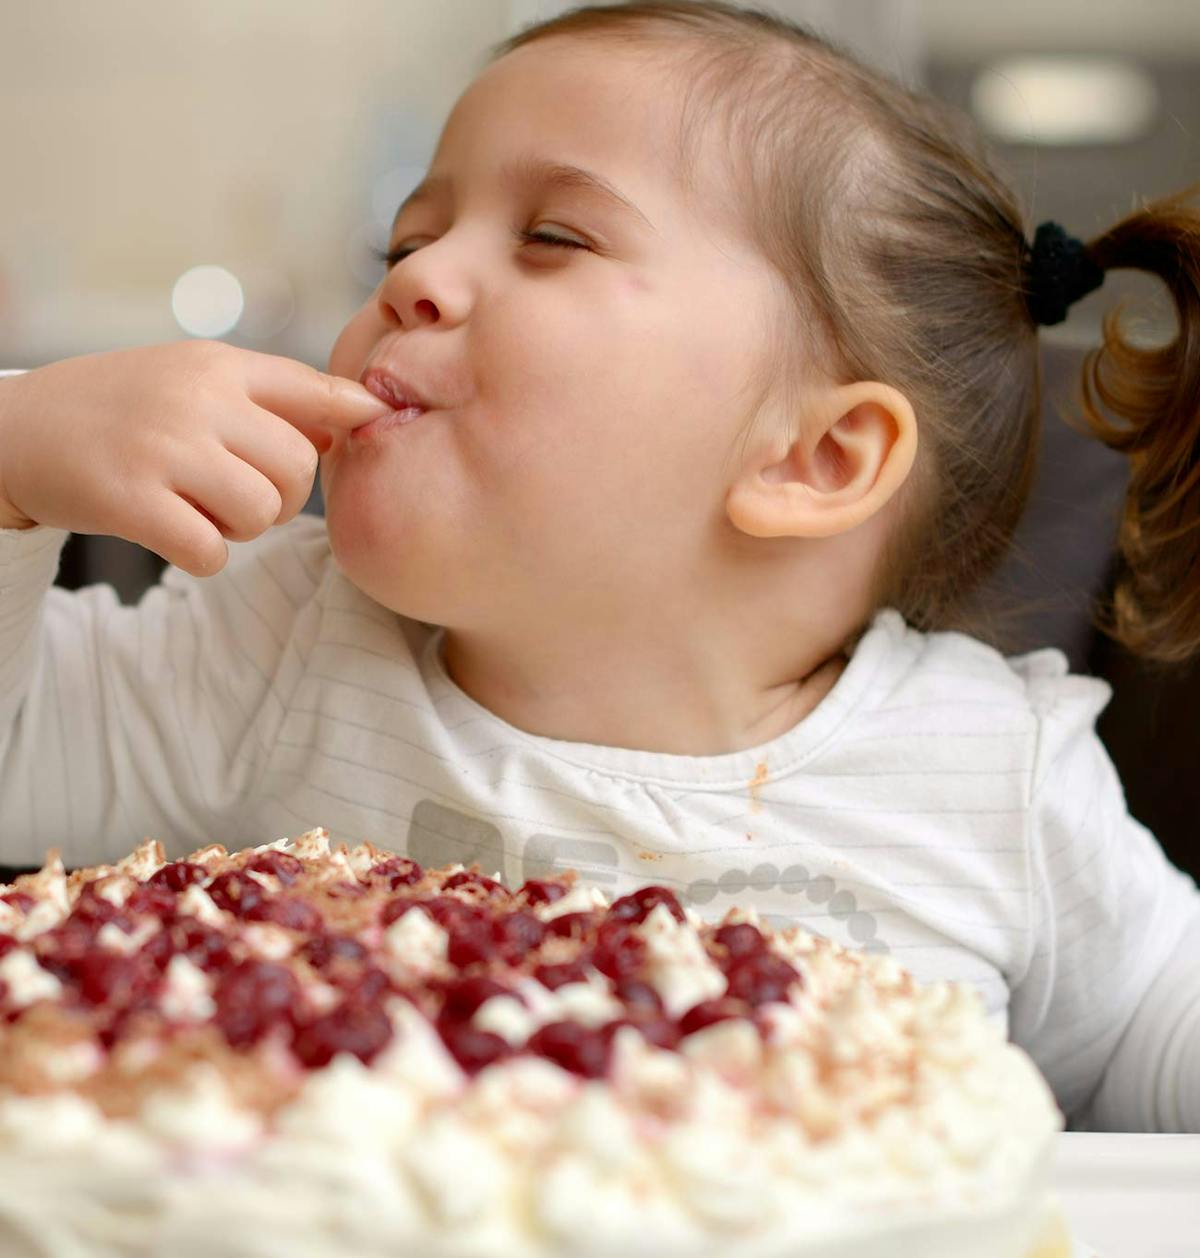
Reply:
x=313, y=1051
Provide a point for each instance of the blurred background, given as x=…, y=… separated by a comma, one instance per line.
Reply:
x=225, y=169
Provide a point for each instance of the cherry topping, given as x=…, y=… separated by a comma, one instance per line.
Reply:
x=637, y=906
x=152, y=901
x=92, y=911
x=346, y=890
x=662, y=1032
x=464, y=996
x=465, y=880
x=283, y=866
x=251, y=998
x=288, y=911
x=353, y=1027
x=739, y=939
x=236, y=892
x=618, y=952
x=395, y=909
x=517, y=933
x=580, y=1049
x=556, y=976
x=639, y=996
x=366, y=985
x=323, y=951
x=760, y=978
x=573, y=925
x=204, y=945
x=108, y=978
x=709, y=1012
x=540, y=891
x=398, y=871
x=19, y=900
x=473, y=1049
x=177, y=876
x=7, y=944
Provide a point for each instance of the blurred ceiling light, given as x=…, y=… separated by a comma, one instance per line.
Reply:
x=207, y=301
x=1063, y=100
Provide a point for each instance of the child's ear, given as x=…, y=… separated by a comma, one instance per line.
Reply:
x=855, y=449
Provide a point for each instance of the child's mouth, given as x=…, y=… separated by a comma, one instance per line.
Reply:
x=383, y=422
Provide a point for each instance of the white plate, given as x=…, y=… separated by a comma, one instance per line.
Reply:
x=1130, y=1196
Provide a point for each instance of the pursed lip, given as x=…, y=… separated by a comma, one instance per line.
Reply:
x=390, y=388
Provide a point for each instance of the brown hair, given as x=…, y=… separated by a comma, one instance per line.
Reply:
x=878, y=208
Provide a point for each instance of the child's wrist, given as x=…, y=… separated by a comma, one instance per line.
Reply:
x=10, y=517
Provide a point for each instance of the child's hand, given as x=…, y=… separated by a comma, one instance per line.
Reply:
x=176, y=447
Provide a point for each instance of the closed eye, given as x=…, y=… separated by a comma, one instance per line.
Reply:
x=391, y=256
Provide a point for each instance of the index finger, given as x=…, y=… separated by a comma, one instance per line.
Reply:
x=310, y=400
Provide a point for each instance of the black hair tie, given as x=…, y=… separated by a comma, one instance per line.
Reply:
x=1059, y=272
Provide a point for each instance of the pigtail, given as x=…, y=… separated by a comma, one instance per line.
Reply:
x=1154, y=394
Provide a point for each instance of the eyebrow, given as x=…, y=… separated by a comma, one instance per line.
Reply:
x=541, y=172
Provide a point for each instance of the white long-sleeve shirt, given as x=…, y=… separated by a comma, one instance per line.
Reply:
x=942, y=803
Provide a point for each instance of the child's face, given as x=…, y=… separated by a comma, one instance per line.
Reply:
x=586, y=403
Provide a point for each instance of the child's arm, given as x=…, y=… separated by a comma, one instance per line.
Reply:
x=116, y=722
x=1112, y=981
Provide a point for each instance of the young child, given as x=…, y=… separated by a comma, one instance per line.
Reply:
x=725, y=354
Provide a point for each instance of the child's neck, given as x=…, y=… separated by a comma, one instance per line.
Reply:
x=686, y=694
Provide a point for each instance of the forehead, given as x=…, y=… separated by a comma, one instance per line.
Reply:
x=615, y=109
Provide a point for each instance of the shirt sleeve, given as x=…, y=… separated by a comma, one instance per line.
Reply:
x=118, y=722
x=1103, y=1004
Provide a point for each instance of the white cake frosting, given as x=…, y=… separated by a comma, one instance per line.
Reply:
x=868, y=1117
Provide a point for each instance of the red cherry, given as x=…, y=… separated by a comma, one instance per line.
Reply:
x=541, y=891
x=19, y=900
x=92, y=911
x=740, y=939
x=324, y=951
x=470, y=931
x=473, y=1049
x=760, y=978
x=159, y=949
x=283, y=866
x=204, y=945
x=463, y=996
x=236, y=892
x=346, y=890
x=355, y=1027
x=367, y=985
x=639, y=996
x=177, y=876
x=662, y=1032
x=619, y=953
x=151, y=901
x=467, y=880
x=556, y=976
x=580, y=1049
x=637, y=906
x=63, y=948
x=288, y=911
x=251, y=997
x=709, y=1012
x=573, y=925
x=516, y=934
x=108, y=978
x=7, y=944
x=398, y=871
x=395, y=909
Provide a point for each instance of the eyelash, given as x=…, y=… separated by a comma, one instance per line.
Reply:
x=389, y=257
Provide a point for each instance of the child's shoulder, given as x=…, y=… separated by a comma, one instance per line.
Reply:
x=948, y=664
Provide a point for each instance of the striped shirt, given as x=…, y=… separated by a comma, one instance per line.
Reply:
x=942, y=803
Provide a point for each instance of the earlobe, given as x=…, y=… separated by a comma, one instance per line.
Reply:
x=856, y=448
